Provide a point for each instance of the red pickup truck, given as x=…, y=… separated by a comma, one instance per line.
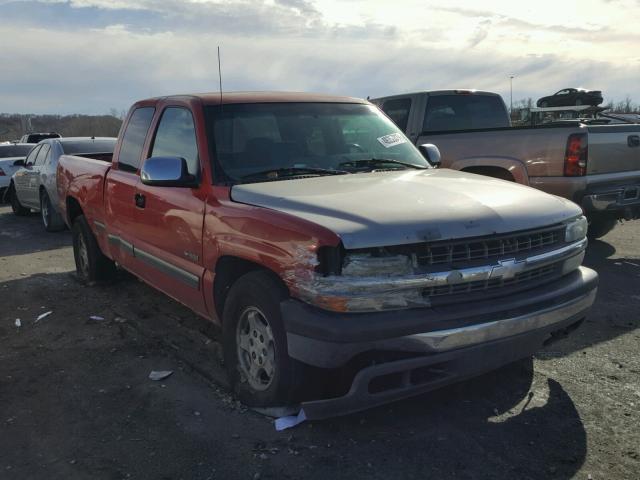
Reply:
x=344, y=269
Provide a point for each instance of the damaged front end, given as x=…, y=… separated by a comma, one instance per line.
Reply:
x=437, y=273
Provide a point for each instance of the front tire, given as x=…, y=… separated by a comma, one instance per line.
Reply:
x=51, y=220
x=258, y=365
x=91, y=263
x=16, y=206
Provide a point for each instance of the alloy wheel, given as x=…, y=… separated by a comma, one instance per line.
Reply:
x=256, y=349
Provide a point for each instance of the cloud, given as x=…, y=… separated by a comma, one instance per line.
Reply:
x=88, y=56
x=481, y=32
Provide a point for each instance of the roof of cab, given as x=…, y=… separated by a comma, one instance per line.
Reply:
x=213, y=98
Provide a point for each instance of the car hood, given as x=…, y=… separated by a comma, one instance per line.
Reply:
x=409, y=206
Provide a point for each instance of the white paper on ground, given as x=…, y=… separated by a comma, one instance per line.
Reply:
x=44, y=315
x=283, y=423
x=159, y=374
x=96, y=317
x=18, y=322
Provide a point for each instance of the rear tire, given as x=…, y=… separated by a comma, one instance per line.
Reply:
x=16, y=206
x=51, y=220
x=91, y=264
x=258, y=365
x=600, y=226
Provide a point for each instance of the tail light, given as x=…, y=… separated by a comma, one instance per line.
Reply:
x=2, y=174
x=575, y=158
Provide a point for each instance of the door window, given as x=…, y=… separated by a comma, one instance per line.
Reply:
x=176, y=137
x=42, y=154
x=398, y=111
x=31, y=158
x=133, y=139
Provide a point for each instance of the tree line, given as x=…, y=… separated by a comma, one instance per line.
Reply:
x=13, y=126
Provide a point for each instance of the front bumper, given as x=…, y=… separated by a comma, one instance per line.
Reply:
x=449, y=343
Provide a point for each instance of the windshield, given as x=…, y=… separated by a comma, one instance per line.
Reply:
x=464, y=112
x=274, y=141
x=7, y=151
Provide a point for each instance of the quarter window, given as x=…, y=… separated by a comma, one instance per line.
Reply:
x=398, y=111
x=42, y=155
x=31, y=158
x=176, y=137
x=133, y=139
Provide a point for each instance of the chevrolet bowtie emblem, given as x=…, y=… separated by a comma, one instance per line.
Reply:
x=507, y=269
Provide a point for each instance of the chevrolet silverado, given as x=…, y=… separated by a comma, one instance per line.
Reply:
x=327, y=246
x=596, y=166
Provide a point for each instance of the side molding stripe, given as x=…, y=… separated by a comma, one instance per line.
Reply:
x=176, y=272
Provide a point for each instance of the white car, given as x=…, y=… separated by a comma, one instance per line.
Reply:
x=33, y=186
x=12, y=157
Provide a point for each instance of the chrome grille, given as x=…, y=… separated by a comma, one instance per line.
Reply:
x=486, y=247
x=490, y=284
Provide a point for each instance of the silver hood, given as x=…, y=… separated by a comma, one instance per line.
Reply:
x=409, y=206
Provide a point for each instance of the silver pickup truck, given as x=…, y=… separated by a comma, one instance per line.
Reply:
x=596, y=166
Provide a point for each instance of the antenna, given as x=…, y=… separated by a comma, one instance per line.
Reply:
x=220, y=77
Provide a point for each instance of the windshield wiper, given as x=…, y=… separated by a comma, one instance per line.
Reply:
x=278, y=173
x=379, y=161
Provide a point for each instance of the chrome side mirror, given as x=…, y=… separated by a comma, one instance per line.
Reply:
x=167, y=172
x=431, y=153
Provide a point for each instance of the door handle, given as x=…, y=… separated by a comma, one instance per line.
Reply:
x=633, y=140
x=140, y=200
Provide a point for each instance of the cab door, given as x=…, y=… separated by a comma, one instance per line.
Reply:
x=170, y=219
x=120, y=189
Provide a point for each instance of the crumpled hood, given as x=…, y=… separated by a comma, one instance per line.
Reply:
x=409, y=206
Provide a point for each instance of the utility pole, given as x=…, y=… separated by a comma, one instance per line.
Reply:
x=511, y=94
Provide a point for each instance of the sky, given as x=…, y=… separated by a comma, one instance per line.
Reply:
x=97, y=56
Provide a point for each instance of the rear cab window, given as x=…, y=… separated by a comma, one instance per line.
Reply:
x=464, y=112
x=134, y=138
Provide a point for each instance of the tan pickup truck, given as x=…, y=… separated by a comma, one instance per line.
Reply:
x=596, y=166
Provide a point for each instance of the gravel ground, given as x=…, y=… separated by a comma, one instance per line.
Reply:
x=76, y=400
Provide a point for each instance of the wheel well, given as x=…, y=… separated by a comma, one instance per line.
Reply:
x=495, y=172
x=228, y=270
x=73, y=209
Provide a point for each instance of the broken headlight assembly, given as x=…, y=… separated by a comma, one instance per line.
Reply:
x=576, y=229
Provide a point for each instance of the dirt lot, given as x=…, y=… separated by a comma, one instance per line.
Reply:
x=76, y=401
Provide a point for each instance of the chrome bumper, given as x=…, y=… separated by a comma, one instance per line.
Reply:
x=443, y=340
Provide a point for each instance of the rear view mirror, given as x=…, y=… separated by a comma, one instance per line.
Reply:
x=167, y=172
x=18, y=163
x=431, y=153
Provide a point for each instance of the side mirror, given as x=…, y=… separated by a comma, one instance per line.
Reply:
x=167, y=172
x=18, y=163
x=431, y=153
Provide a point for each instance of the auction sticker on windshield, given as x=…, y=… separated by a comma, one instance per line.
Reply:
x=392, y=140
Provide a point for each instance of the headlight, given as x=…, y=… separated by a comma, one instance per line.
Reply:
x=576, y=229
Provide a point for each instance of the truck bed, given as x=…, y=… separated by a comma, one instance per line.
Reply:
x=532, y=147
x=82, y=177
